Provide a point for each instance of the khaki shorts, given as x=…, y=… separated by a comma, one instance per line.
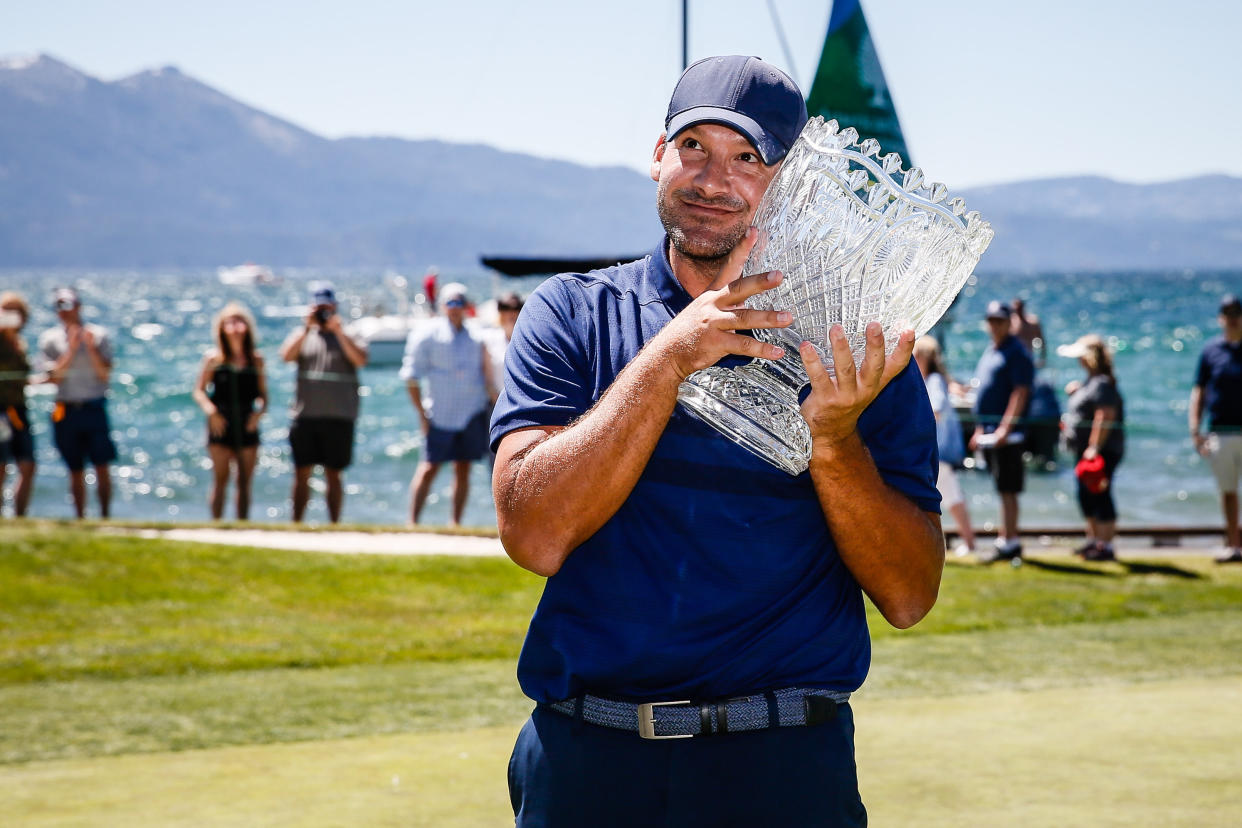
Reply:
x=950, y=489
x=1225, y=456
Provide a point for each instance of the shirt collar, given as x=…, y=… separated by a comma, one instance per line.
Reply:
x=660, y=277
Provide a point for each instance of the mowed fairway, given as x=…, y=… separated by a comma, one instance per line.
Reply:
x=153, y=683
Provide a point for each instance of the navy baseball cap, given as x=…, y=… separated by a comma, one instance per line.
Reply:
x=744, y=93
x=997, y=310
x=322, y=293
x=1231, y=305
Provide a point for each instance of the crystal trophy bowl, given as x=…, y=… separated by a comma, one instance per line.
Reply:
x=859, y=239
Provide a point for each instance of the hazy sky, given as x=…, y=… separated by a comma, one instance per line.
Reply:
x=987, y=90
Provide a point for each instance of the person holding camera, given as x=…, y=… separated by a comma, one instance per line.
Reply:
x=18, y=446
x=325, y=405
x=77, y=357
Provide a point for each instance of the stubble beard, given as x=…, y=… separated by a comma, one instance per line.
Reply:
x=701, y=243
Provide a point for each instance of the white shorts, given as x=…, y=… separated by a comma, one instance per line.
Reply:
x=950, y=489
x=1225, y=456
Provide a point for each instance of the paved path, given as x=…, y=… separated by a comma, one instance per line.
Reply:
x=347, y=543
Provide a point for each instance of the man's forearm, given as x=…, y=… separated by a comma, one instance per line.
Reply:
x=894, y=549
x=559, y=490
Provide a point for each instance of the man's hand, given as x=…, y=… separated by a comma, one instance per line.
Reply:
x=834, y=405
x=74, y=337
x=333, y=324
x=1201, y=444
x=312, y=318
x=705, y=331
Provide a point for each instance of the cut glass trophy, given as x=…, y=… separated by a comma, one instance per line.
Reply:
x=858, y=239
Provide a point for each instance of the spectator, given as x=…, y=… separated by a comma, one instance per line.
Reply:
x=18, y=447
x=1026, y=327
x=948, y=439
x=77, y=357
x=508, y=306
x=1218, y=389
x=326, y=402
x=1004, y=376
x=234, y=371
x=1096, y=419
x=453, y=414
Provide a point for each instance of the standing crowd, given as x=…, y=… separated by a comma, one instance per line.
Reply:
x=454, y=377
x=450, y=370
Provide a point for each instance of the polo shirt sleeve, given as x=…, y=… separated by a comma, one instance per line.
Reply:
x=899, y=431
x=547, y=365
x=103, y=343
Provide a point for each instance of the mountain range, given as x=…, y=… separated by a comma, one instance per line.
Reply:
x=159, y=169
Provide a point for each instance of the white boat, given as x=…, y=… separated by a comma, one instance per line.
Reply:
x=247, y=275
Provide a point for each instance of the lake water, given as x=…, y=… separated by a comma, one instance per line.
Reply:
x=160, y=322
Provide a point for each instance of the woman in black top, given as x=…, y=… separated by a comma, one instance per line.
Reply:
x=233, y=371
x=18, y=447
x=1096, y=415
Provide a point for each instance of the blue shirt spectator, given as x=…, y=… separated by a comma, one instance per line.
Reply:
x=1002, y=368
x=1219, y=373
x=448, y=360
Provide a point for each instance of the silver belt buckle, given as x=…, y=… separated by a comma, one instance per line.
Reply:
x=646, y=720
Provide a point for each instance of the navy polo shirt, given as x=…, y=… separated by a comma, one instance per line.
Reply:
x=1220, y=375
x=1001, y=369
x=718, y=575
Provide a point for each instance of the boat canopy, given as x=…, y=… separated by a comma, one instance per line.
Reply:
x=542, y=266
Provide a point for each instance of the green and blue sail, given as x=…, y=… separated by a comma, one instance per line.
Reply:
x=849, y=84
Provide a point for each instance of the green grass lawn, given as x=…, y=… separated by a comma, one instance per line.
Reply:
x=115, y=650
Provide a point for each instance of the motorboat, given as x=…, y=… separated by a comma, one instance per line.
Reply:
x=247, y=275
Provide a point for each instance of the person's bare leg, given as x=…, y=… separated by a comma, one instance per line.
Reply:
x=221, y=459
x=420, y=486
x=335, y=493
x=1105, y=530
x=25, y=486
x=301, y=491
x=461, y=489
x=964, y=530
x=77, y=488
x=103, y=487
x=1093, y=530
x=4, y=470
x=246, y=459
x=1009, y=515
x=1229, y=503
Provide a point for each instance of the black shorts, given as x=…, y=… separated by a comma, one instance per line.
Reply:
x=21, y=446
x=1006, y=467
x=235, y=436
x=80, y=431
x=322, y=441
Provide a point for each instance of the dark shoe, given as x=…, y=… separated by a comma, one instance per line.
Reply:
x=1232, y=556
x=1101, y=552
x=1086, y=549
x=1010, y=552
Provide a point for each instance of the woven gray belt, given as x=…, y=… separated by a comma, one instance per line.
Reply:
x=790, y=707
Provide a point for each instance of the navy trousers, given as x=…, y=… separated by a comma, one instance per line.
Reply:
x=571, y=774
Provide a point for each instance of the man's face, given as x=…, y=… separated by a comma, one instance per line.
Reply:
x=710, y=182
x=455, y=312
x=1231, y=322
x=999, y=329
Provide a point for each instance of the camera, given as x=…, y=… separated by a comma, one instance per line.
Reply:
x=323, y=314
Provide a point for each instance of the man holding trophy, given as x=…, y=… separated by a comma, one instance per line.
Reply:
x=702, y=625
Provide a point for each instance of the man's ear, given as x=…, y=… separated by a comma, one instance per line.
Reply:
x=657, y=157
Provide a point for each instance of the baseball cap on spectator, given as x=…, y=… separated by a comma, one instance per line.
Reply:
x=322, y=293
x=509, y=302
x=997, y=310
x=1231, y=305
x=744, y=93
x=453, y=295
x=65, y=298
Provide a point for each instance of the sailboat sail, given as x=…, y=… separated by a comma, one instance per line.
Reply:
x=849, y=84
